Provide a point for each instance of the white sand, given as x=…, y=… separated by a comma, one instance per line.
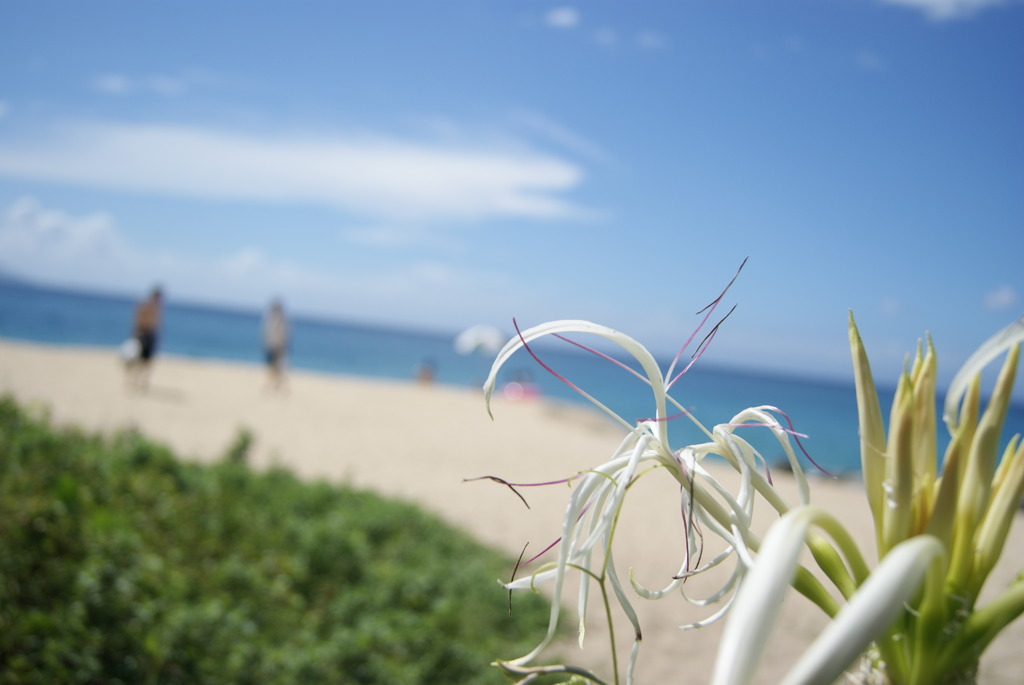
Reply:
x=419, y=443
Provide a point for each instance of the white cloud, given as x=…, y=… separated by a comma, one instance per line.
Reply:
x=88, y=251
x=560, y=135
x=160, y=84
x=54, y=246
x=29, y=229
x=941, y=10
x=403, y=237
x=1003, y=297
x=377, y=236
x=562, y=18
x=375, y=177
x=244, y=262
x=246, y=276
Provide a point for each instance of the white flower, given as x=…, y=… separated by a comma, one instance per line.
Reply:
x=598, y=495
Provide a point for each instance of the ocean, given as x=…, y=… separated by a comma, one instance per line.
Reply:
x=823, y=410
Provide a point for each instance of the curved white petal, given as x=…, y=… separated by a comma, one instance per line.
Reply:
x=989, y=350
x=866, y=616
x=760, y=597
x=869, y=612
x=628, y=344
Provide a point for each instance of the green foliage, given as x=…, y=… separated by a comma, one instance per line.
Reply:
x=121, y=564
x=238, y=452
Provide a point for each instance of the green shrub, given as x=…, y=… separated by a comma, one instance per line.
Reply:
x=119, y=563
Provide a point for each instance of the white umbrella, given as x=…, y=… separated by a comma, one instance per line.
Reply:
x=481, y=338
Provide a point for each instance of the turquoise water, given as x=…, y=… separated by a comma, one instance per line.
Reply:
x=825, y=411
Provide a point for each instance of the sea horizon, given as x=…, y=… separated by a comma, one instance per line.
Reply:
x=823, y=409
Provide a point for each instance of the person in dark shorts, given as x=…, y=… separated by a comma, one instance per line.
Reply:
x=146, y=331
x=275, y=343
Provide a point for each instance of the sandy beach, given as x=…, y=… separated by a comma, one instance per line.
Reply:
x=419, y=443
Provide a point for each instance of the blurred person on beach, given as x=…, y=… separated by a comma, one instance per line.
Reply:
x=275, y=343
x=426, y=372
x=145, y=333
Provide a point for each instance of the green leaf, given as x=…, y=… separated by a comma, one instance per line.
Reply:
x=872, y=430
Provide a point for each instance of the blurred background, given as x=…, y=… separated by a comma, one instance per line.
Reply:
x=431, y=166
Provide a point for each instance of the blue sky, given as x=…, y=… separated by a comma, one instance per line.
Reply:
x=439, y=164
